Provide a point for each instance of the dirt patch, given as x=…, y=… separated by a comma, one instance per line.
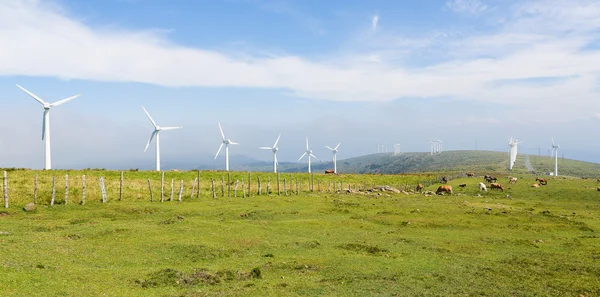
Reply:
x=172, y=277
x=357, y=247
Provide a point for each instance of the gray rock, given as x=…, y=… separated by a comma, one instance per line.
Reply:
x=29, y=207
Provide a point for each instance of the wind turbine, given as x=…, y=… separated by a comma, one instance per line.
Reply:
x=274, y=149
x=156, y=132
x=555, y=147
x=334, y=150
x=46, y=121
x=225, y=142
x=309, y=153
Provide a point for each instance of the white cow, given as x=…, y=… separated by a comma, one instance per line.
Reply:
x=482, y=187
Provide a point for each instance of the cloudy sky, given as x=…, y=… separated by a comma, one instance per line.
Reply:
x=472, y=73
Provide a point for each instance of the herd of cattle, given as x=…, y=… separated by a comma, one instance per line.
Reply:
x=493, y=184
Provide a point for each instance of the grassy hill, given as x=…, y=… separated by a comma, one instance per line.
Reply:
x=461, y=161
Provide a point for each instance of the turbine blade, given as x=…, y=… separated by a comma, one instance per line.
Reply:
x=46, y=111
x=150, y=139
x=231, y=142
x=336, y=147
x=307, y=143
x=302, y=156
x=221, y=129
x=552, y=141
x=315, y=157
x=38, y=99
x=265, y=148
x=170, y=128
x=277, y=141
x=57, y=103
x=219, y=150
x=329, y=148
x=149, y=117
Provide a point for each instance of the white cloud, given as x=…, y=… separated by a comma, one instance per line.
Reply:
x=41, y=40
x=467, y=6
x=374, y=22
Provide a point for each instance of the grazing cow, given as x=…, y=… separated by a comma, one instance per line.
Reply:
x=329, y=171
x=442, y=189
x=419, y=187
x=496, y=186
x=462, y=185
x=470, y=174
x=490, y=178
x=444, y=179
x=482, y=187
x=599, y=180
x=598, y=189
x=536, y=185
x=542, y=181
x=486, y=176
x=512, y=180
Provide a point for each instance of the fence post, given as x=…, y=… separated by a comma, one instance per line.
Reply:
x=121, y=187
x=162, y=186
x=249, y=181
x=103, y=189
x=5, y=189
x=228, y=184
x=172, y=189
x=83, y=189
x=278, y=180
x=35, y=189
x=258, y=185
x=284, y=187
x=222, y=186
x=193, y=188
x=213, y=187
x=180, y=189
x=243, y=188
x=235, y=189
x=53, y=190
x=198, y=193
x=150, y=188
x=66, y=189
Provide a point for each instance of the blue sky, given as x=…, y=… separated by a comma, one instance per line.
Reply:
x=472, y=73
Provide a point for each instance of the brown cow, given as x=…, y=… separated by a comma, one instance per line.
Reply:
x=470, y=174
x=542, y=181
x=442, y=189
x=536, y=185
x=512, y=180
x=419, y=187
x=496, y=186
x=329, y=171
x=599, y=180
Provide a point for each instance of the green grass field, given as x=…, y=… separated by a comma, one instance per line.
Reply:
x=534, y=242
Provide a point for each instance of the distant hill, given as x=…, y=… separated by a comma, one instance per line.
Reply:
x=462, y=161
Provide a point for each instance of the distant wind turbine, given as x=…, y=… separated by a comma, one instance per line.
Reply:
x=156, y=134
x=225, y=142
x=46, y=121
x=309, y=153
x=274, y=149
x=555, y=148
x=335, y=151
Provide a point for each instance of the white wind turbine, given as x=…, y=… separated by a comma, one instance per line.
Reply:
x=309, y=153
x=155, y=133
x=46, y=121
x=274, y=149
x=335, y=151
x=555, y=148
x=225, y=142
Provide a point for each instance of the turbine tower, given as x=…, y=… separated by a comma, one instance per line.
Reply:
x=46, y=122
x=156, y=134
x=274, y=149
x=512, y=144
x=309, y=153
x=555, y=148
x=225, y=142
x=335, y=151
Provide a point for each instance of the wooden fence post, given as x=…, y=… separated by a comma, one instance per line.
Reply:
x=284, y=187
x=162, y=186
x=278, y=186
x=53, y=190
x=83, y=189
x=35, y=189
x=150, y=188
x=235, y=189
x=180, y=189
x=249, y=180
x=172, y=189
x=258, y=185
x=5, y=188
x=103, y=189
x=66, y=189
x=198, y=193
x=228, y=184
x=121, y=187
x=222, y=186
x=193, y=188
x=243, y=188
x=213, y=187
